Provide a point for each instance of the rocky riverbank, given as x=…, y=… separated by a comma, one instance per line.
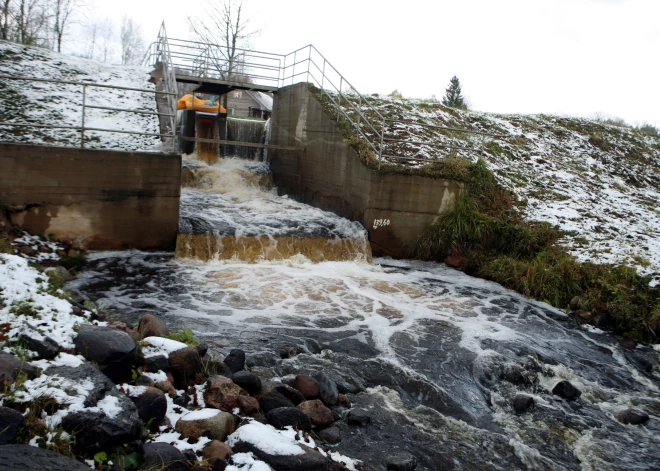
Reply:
x=85, y=389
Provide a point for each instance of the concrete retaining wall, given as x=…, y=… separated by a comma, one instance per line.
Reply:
x=98, y=199
x=395, y=209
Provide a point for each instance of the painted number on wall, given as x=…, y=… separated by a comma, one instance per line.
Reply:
x=381, y=223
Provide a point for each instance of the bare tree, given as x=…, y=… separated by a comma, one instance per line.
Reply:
x=106, y=32
x=5, y=11
x=62, y=12
x=225, y=26
x=92, y=38
x=131, y=41
x=30, y=22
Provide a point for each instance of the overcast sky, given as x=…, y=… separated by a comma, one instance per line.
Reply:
x=566, y=57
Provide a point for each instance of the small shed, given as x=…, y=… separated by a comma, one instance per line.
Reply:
x=250, y=103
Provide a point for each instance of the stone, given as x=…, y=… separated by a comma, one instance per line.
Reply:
x=248, y=405
x=248, y=381
x=10, y=421
x=156, y=363
x=310, y=460
x=290, y=351
x=144, y=380
x=26, y=457
x=358, y=417
x=45, y=348
x=318, y=413
x=218, y=368
x=344, y=401
x=215, y=424
x=184, y=365
x=517, y=374
x=151, y=326
x=575, y=303
x=235, y=360
x=168, y=388
x=163, y=456
x=331, y=435
x=285, y=390
x=566, y=390
x=114, y=350
x=327, y=389
x=456, y=261
x=313, y=346
x=273, y=400
x=284, y=416
x=151, y=405
x=522, y=402
x=11, y=367
x=632, y=416
x=401, y=462
x=307, y=386
x=222, y=393
x=96, y=431
x=202, y=349
x=87, y=372
x=217, y=449
x=59, y=271
x=585, y=316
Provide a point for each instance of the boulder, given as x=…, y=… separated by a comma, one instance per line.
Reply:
x=163, y=456
x=285, y=390
x=26, y=457
x=318, y=414
x=96, y=431
x=235, y=360
x=202, y=349
x=522, y=402
x=218, y=368
x=344, y=401
x=307, y=386
x=327, y=389
x=156, y=363
x=45, y=348
x=151, y=405
x=222, y=393
x=215, y=424
x=101, y=385
x=10, y=422
x=585, y=316
x=248, y=405
x=308, y=460
x=331, y=435
x=632, y=416
x=217, y=449
x=289, y=351
x=273, y=399
x=151, y=326
x=144, y=380
x=167, y=388
x=566, y=390
x=288, y=416
x=401, y=462
x=114, y=350
x=358, y=417
x=184, y=365
x=11, y=367
x=248, y=381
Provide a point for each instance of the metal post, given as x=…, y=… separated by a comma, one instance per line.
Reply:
x=357, y=126
x=293, y=72
x=309, y=60
x=82, y=127
x=341, y=84
x=382, y=138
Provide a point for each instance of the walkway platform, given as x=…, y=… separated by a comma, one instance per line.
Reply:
x=220, y=87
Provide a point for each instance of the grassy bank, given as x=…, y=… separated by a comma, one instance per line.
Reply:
x=487, y=236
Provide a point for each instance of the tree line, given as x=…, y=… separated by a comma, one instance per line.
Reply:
x=47, y=23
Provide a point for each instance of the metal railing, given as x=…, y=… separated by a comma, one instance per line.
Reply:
x=272, y=71
x=84, y=106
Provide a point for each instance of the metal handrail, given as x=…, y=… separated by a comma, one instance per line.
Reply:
x=305, y=64
x=84, y=106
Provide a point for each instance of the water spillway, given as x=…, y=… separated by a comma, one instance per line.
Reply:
x=230, y=210
x=437, y=358
x=246, y=130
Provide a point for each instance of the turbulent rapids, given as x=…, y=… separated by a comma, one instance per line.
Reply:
x=437, y=358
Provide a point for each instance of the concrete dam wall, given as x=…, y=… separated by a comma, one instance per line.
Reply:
x=97, y=199
x=394, y=209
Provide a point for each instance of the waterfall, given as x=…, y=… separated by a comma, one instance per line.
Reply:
x=246, y=130
x=232, y=211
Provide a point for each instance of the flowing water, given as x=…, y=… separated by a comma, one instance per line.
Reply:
x=435, y=357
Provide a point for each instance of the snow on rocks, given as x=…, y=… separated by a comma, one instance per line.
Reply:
x=155, y=346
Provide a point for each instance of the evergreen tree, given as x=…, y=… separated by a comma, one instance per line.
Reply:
x=453, y=97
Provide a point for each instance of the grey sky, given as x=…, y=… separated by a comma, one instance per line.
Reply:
x=568, y=57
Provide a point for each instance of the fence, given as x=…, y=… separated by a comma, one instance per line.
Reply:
x=84, y=106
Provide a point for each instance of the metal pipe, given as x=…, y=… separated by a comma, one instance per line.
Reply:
x=82, y=128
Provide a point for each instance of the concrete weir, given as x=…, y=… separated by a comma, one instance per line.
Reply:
x=394, y=209
x=97, y=199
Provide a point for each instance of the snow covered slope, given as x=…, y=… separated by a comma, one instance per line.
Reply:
x=59, y=104
x=598, y=181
